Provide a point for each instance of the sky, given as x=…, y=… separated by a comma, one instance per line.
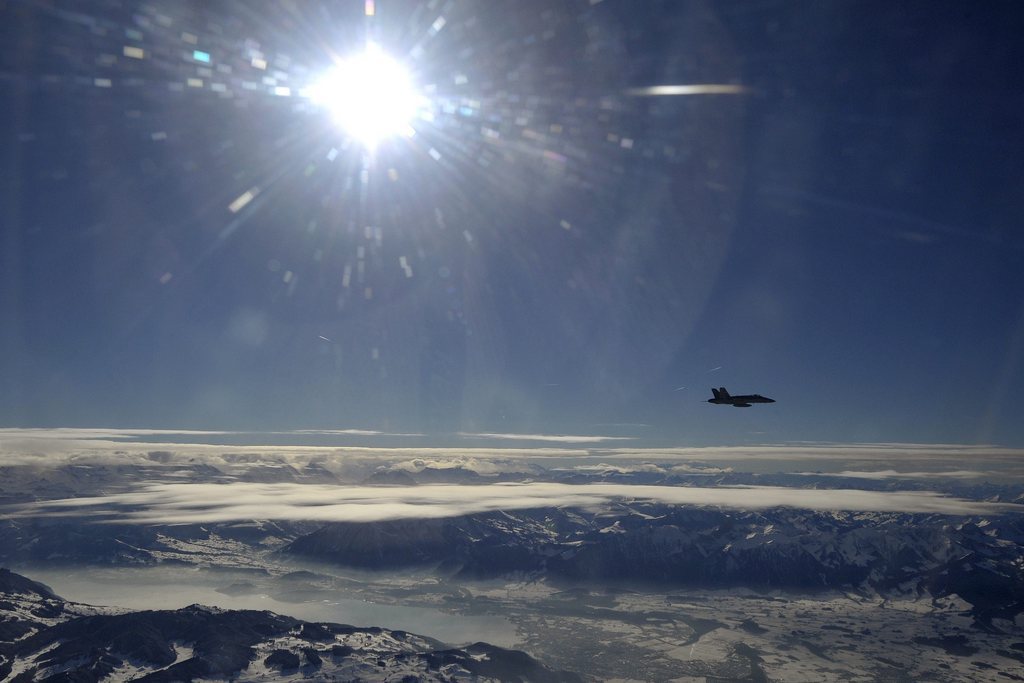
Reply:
x=190, y=241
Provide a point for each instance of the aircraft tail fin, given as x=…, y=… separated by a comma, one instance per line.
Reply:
x=723, y=393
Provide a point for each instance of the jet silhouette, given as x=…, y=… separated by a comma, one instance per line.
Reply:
x=722, y=397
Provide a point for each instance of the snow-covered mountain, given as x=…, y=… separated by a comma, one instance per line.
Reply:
x=44, y=638
x=982, y=560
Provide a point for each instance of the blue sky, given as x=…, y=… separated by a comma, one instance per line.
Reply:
x=844, y=237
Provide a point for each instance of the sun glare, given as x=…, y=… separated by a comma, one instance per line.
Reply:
x=369, y=96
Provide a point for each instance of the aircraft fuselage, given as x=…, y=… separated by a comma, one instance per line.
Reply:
x=724, y=398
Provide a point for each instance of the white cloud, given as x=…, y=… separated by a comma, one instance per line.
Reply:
x=484, y=466
x=824, y=451
x=116, y=434
x=610, y=468
x=51, y=448
x=645, y=468
x=51, y=454
x=169, y=503
x=555, y=438
x=702, y=469
x=340, y=432
x=12, y=439
x=893, y=474
x=99, y=433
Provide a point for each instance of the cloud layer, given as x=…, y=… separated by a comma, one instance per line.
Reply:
x=553, y=438
x=360, y=453
x=894, y=474
x=168, y=503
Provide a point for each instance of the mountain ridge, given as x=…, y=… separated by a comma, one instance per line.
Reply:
x=199, y=642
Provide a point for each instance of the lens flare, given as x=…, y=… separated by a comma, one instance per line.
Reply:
x=370, y=96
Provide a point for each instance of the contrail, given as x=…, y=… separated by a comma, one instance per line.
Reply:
x=692, y=89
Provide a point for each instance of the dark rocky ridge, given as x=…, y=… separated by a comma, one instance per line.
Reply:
x=228, y=643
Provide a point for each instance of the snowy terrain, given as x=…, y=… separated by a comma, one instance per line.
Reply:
x=617, y=583
x=45, y=638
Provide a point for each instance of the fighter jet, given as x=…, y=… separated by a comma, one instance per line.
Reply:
x=722, y=397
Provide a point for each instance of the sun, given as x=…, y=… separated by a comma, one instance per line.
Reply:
x=370, y=96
